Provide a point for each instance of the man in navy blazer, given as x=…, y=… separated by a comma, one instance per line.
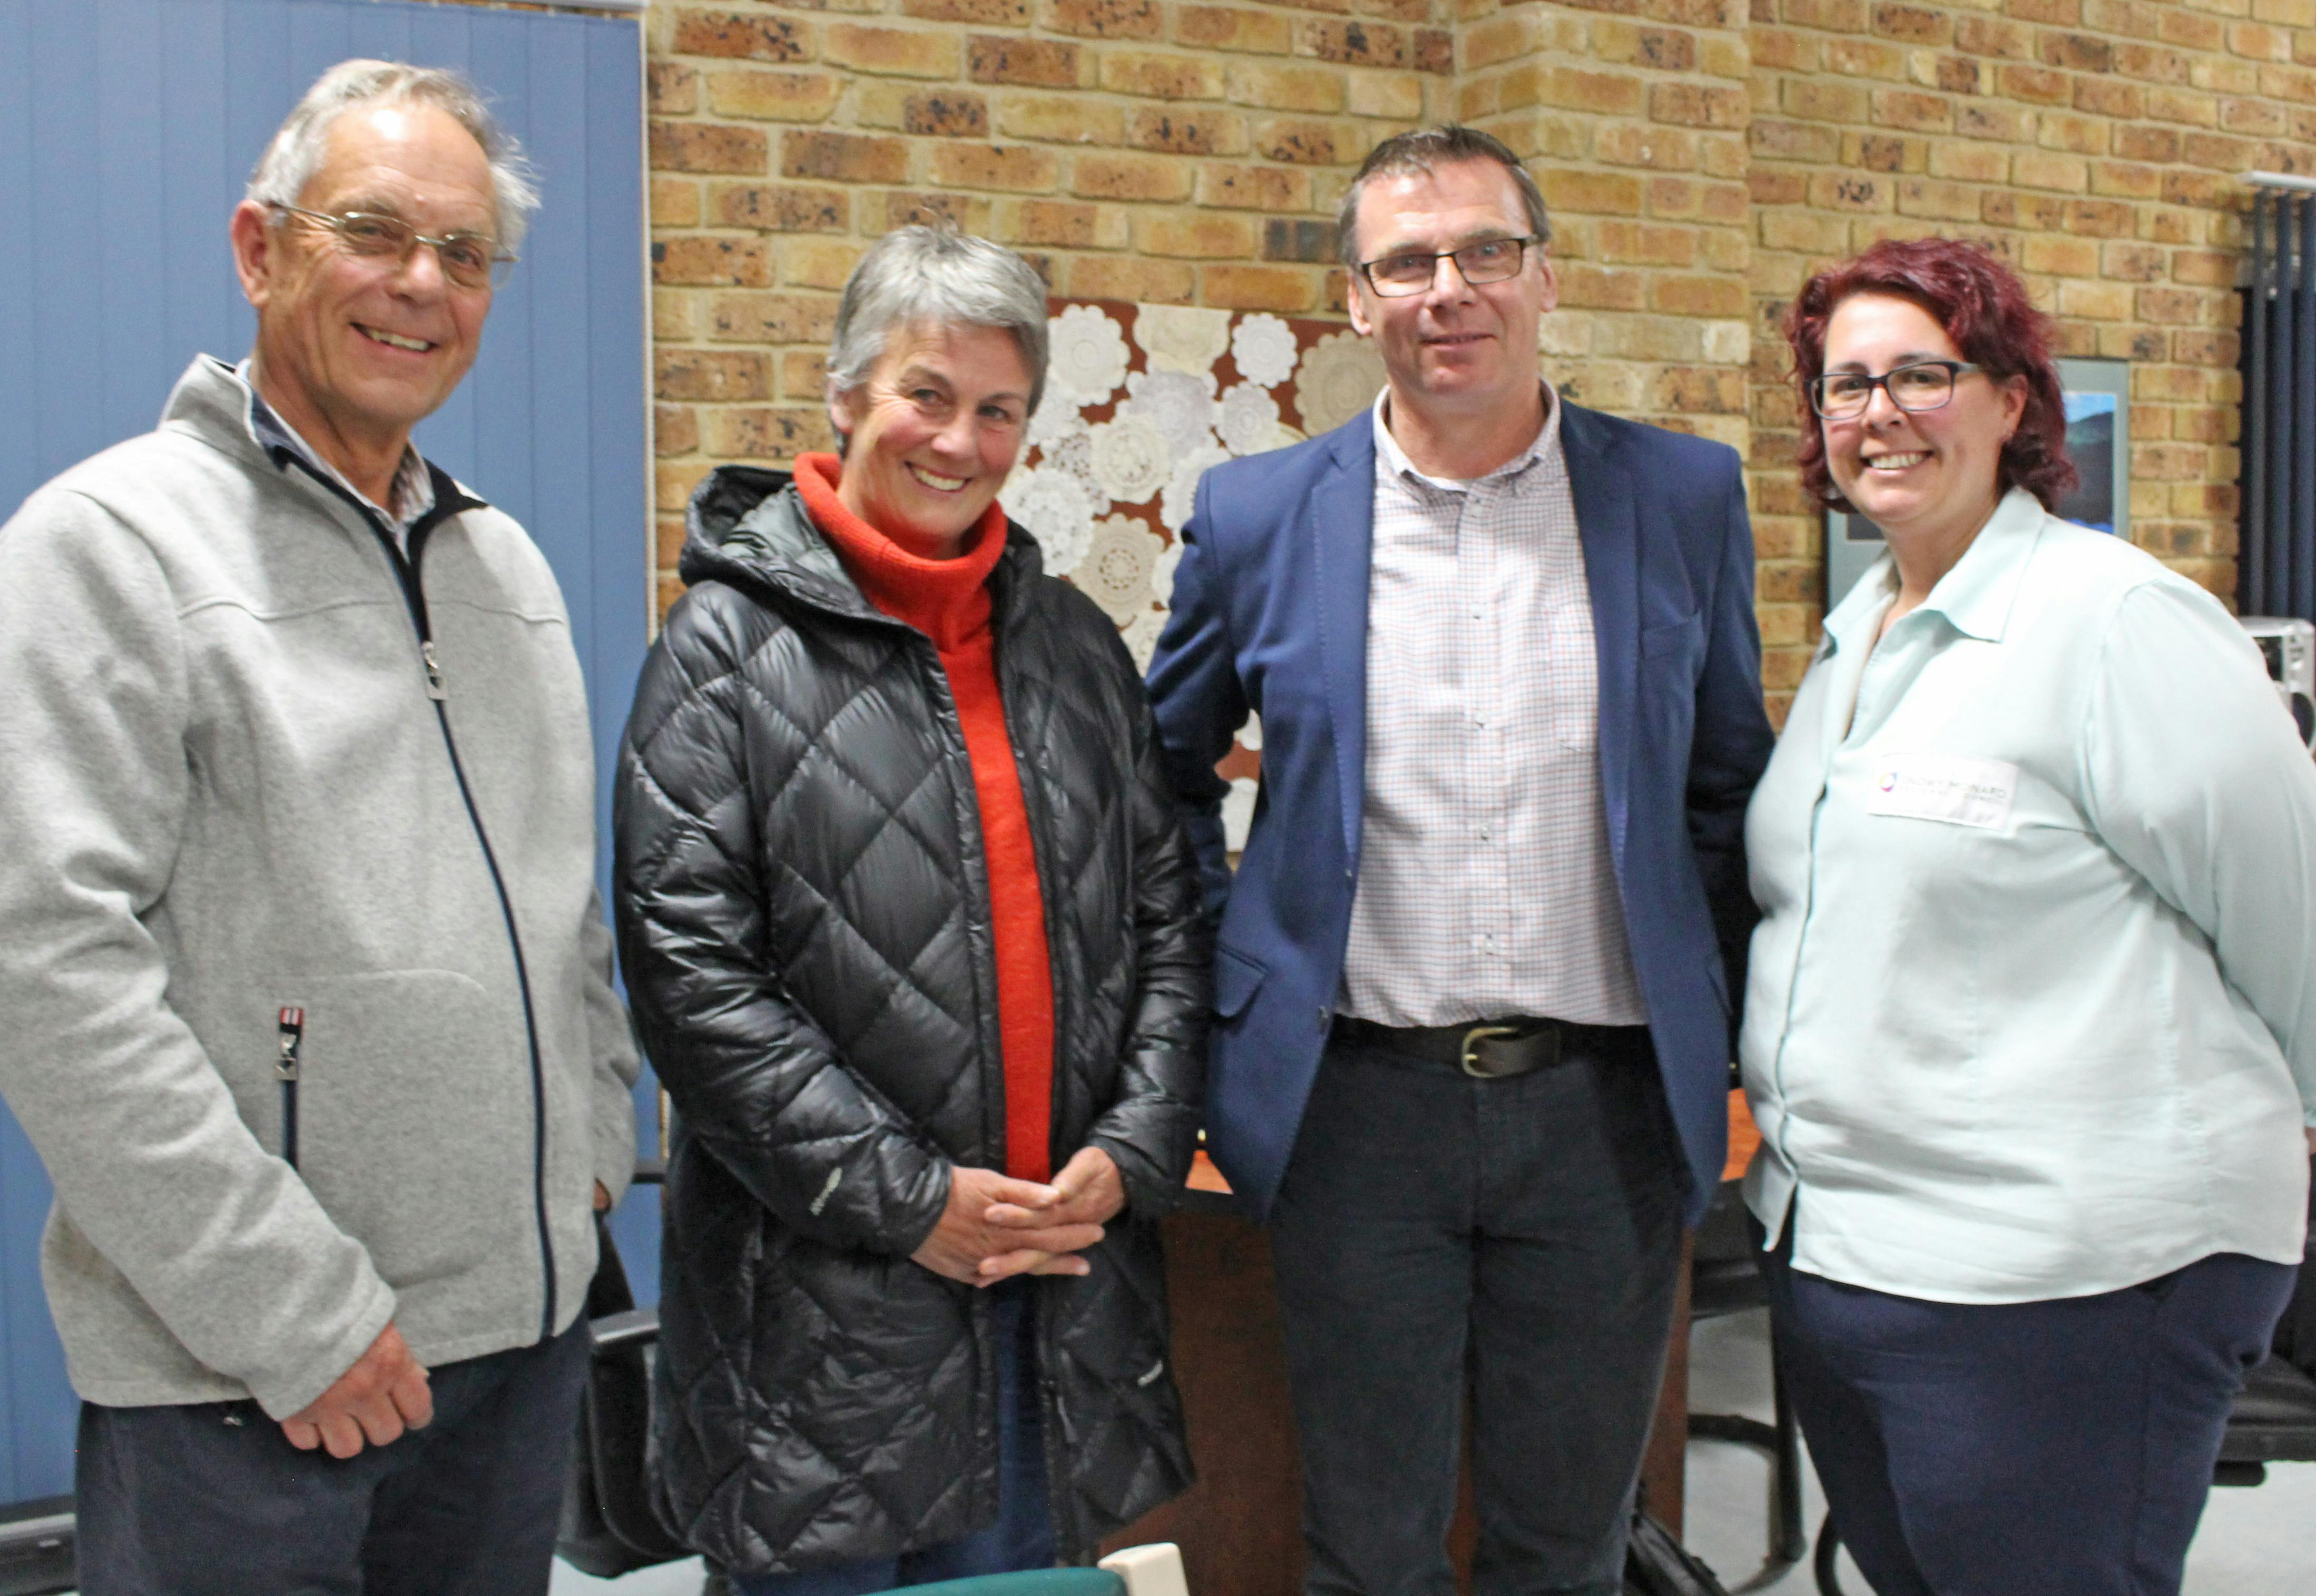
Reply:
x=1475, y=975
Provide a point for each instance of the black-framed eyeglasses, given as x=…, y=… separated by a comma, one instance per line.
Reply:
x=1490, y=260
x=1918, y=386
x=469, y=260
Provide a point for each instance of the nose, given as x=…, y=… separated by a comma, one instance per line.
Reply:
x=956, y=438
x=1448, y=280
x=1881, y=410
x=420, y=270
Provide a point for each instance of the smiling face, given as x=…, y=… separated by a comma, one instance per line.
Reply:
x=1454, y=349
x=356, y=352
x=1932, y=475
x=933, y=431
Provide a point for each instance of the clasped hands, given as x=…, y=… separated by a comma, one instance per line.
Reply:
x=995, y=1226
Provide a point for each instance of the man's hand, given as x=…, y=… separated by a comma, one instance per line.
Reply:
x=1089, y=1191
x=965, y=1240
x=382, y=1395
x=603, y=1198
x=2312, y=1141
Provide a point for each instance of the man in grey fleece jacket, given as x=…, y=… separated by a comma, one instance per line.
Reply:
x=306, y=991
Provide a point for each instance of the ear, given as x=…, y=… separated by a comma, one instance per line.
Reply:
x=1357, y=306
x=843, y=412
x=256, y=251
x=1550, y=280
x=2014, y=403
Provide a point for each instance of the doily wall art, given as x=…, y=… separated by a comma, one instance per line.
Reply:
x=1141, y=400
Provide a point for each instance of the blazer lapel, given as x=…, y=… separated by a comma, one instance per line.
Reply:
x=1607, y=524
x=1339, y=519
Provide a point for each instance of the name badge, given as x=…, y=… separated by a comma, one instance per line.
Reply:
x=1948, y=787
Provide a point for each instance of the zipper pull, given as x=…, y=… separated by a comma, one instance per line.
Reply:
x=292, y=1037
x=434, y=688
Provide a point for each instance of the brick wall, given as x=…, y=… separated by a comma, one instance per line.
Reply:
x=1699, y=160
x=2099, y=145
x=1157, y=151
x=1633, y=117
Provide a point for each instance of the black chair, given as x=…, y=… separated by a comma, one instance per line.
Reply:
x=607, y=1526
x=1726, y=1278
x=36, y=1546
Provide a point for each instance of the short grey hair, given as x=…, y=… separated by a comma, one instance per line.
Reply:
x=938, y=277
x=295, y=152
x=1425, y=150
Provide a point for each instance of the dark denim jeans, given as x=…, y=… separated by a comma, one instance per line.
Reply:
x=1023, y=1535
x=211, y=1499
x=1517, y=1239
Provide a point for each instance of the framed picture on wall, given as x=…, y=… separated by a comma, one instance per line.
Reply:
x=2098, y=437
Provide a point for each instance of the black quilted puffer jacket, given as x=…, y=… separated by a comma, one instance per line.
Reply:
x=804, y=923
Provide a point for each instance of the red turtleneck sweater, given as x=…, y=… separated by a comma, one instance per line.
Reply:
x=948, y=600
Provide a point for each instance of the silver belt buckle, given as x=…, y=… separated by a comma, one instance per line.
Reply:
x=1472, y=1039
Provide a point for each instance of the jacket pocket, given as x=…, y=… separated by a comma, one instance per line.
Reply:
x=1237, y=979
x=414, y=1125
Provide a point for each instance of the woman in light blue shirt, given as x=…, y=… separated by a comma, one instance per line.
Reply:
x=2030, y=1030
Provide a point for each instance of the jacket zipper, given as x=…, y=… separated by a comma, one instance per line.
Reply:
x=289, y=1039
x=449, y=502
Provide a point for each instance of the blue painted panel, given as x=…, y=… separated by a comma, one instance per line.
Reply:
x=115, y=269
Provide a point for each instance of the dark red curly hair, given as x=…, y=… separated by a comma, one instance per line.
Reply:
x=1983, y=307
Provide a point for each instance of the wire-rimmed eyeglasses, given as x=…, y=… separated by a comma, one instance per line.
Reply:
x=1918, y=385
x=469, y=260
x=1490, y=260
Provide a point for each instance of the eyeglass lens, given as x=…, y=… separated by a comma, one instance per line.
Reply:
x=1490, y=260
x=467, y=259
x=1845, y=394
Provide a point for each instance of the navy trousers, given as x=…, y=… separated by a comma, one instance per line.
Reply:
x=1023, y=1535
x=2034, y=1449
x=211, y=1499
x=1515, y=1239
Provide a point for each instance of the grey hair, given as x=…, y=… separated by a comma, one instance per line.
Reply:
x=295, y=152
x=1424, y=150
x=938, y=276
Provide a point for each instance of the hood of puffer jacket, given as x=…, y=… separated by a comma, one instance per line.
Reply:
x=747, y=526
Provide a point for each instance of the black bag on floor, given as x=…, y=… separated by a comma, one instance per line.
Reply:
x=608, y=1528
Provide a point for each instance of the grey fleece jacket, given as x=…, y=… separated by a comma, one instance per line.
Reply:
x=227, y=791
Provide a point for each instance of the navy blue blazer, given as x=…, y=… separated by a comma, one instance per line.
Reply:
x=1270, y=615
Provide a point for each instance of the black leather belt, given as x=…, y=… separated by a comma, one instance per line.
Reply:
x=1490, y=1049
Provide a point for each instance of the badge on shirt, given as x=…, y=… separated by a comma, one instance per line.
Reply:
x=1949, y=787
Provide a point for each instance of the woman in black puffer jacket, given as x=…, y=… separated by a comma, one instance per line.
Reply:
x=883, y=1315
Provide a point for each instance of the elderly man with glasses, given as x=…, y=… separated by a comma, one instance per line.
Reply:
x=1473, y=978
x=308, y=999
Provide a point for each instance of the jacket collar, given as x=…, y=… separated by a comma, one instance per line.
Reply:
x=746, y=526
x=1340, y=522
x=1607, y=526
x=212, y=404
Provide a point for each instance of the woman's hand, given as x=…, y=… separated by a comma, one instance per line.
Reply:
x=968, y=1240
x=1089, y=1191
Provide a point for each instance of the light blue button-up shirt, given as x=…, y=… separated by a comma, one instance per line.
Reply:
x=2032, y=1007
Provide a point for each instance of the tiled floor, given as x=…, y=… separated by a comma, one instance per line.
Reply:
x=2253, y=1542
